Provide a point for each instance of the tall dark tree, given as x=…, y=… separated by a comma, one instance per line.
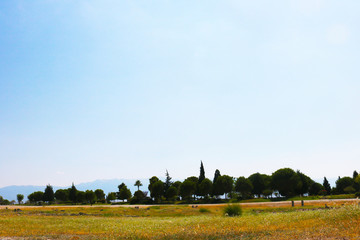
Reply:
x=259, y=182
x=216, y=175
x=100, y=195
x=62, y=195
x=152, y=180
x=90, y=196
x=124, y=192
x=327, y=186
x=167, y=181
x=202, y=173
x=343, y=183
x=205, y=187
x=49, y=194
x=187, y=189
x=157, y=190
x=224, y=185
x=286, y=181
x=305, y=182
x=73, y=193
x=244, y=187
x=355, y=174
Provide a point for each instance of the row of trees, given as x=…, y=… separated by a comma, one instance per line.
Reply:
x=284, y=182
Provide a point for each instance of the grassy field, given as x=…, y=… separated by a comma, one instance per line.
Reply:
x=181, y=222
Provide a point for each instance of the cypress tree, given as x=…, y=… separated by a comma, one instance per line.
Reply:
x=167, y=181
x=355, y=174
x=202, y=173
x=72, y=193
x=327, y=186
x=216, y=175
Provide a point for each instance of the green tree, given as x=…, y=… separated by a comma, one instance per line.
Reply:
x=286, y=181
x=19, y=197
x=304, y=186
x=315, y=188
x=49, y=194
x=216, y=175
x=62, y=195
x=343, y=183
x=244, y=187
x=225, y=184
x=111, y=197
x=124, y=192
x=355, y=174
x=157, y=190
x=152, y=180
x=80, y=197
x=171, y=193
x=202, y=173
x=36, y=197
x=187, y=189
x=259, y=182
x=327, y=186
x=100, y=195
x=73, y=193
x=138, y=184
x=205, y=187
x=90, y=196
x=167, y=181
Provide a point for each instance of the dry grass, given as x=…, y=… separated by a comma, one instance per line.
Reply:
x=181, y=222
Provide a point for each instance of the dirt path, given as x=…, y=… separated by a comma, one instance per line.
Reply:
x=329, y=202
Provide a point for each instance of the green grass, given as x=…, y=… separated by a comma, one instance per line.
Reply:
x=181, y=222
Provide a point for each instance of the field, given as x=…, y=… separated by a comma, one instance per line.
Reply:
x=339, y=220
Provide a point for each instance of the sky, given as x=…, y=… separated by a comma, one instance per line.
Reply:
x=129, y=89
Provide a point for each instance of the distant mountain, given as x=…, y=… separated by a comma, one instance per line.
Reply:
x=108, y=185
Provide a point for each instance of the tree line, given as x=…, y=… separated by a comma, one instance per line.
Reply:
x=283, y=183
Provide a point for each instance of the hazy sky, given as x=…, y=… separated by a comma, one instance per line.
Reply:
x=127, y=89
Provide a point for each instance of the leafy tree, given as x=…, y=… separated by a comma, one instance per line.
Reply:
x=187, y=189
x=171, y=193
x=243, y=186
x=90, y=196
x=315, y=188
x=202, y=173
x=167, y=181
x=138, y=184
x=19, y=197
x=216, y=175
x=260, y=182
x=36, y=196
x=286, y=181
x=327, y=186
x=80, y=196
x=73, y=193
x=205, y=187
x=139, y=196
x=355, y=174
x=152, y=180
x=343, y=183
x=100, y=195
x=49, y=194
x=157, y=190
x=62, y=195
x=304, y=186
x=124, y=192
x=177, y=185
x=111, y=197
x=349, y=189
x=225, y=184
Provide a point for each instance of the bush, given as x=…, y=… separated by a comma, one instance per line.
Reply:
x=204, y=210
x=232, y=210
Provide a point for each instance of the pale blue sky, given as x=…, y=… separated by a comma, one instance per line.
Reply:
x=126, y=89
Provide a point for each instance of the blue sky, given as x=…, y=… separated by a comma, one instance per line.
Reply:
x=123, y=89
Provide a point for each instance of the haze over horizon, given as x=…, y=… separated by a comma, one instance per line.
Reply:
x=120, y=89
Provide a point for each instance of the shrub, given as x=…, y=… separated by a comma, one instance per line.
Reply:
x=204, y=210
x=232, y=210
